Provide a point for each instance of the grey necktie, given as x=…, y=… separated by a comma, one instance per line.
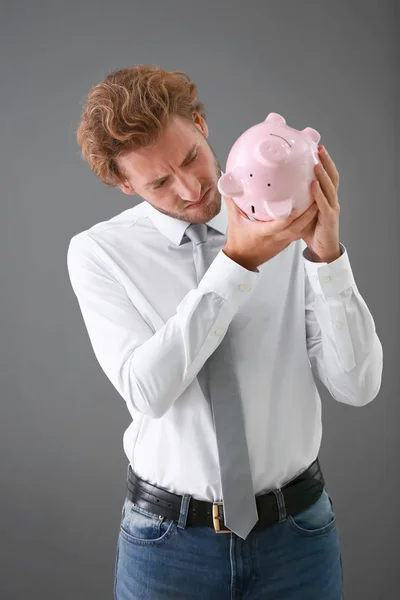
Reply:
x=240, y=509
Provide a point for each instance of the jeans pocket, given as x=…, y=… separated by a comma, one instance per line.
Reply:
x=317, y=519
x=140, y=526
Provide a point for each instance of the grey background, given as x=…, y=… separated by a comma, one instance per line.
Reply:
x=328, y=65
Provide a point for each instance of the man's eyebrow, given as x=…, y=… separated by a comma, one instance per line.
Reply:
x=188, y=155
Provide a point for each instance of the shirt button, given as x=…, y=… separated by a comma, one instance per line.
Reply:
x=326, y=278
x=244, y=287
x=218, y=331
x=339, y=325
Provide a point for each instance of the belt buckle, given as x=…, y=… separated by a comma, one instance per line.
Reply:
x=216, y=519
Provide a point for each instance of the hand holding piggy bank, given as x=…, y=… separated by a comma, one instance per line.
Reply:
x=270, y=169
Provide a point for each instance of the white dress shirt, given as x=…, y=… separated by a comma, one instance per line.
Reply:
x=152, y=328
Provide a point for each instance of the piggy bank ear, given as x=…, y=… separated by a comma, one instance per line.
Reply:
x=275, y=119
x=229, y=186
x=311, y=134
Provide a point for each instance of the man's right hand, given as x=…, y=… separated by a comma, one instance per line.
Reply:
x=252, y=243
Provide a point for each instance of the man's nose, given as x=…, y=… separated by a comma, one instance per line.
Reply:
x=189, y=189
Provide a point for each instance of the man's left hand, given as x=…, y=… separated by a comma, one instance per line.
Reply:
x=322, y=234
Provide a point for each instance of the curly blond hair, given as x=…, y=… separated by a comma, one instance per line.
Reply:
x=128, y=110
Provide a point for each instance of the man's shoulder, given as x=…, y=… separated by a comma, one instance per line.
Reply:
x=113, y=226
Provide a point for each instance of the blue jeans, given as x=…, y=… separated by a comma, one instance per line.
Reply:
x=297, y=558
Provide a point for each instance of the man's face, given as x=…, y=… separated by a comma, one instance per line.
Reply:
x=185, y=167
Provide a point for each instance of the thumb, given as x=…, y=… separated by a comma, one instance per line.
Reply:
x=229, y=202
x=234, y=208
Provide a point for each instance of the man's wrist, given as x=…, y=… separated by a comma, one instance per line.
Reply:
x=331, y=257
x=237, y=259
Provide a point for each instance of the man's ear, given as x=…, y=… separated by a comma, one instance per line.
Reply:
x=200, y=123
x=127, y=188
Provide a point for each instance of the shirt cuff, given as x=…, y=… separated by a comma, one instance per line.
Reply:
x=329, y=279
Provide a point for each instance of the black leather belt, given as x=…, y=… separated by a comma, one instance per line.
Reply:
x=299, y=493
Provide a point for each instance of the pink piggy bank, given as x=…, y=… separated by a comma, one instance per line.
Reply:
x=270, y=169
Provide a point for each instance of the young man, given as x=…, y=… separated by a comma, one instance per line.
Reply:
x=158, y=302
